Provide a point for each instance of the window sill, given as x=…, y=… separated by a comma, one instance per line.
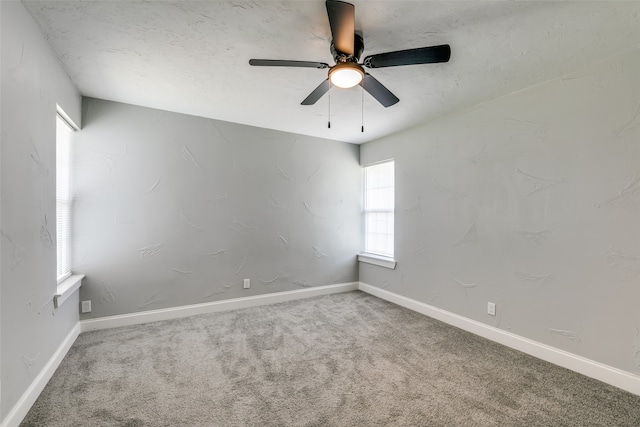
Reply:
x=67, y=288
x=378, y=260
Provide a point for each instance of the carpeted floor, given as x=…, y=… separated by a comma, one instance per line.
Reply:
x=339, y=360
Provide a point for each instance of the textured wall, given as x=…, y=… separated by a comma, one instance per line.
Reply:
x=531, y=201
x=33, y=82
x=173, y=209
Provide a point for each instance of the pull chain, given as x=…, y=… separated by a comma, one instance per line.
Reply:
x=329, y=117
x=362, y=127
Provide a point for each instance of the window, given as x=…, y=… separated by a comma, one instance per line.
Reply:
x=63, y=197
x=379, y=202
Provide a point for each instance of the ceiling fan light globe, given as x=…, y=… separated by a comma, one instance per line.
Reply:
x=346, y=75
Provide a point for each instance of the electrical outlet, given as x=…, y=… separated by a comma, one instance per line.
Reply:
x=491, y=308
x=86, y=306
x=247, y=283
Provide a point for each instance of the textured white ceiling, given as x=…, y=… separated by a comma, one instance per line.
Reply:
x=192, y=56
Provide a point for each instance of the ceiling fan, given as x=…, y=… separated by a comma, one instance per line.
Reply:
x=346, y=47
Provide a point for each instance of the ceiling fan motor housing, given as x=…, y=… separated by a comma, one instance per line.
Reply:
x=358, y=48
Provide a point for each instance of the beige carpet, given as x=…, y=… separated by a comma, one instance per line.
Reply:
x=340, y=360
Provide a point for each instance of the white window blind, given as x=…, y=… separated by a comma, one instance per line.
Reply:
x=379, y=205
x=63, y=198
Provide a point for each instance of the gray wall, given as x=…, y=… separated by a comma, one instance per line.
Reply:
x=33, y=82
x=173, y=209
x=531, y=201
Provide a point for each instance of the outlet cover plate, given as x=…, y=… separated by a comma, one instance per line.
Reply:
x=86, y=306
x=491, y=308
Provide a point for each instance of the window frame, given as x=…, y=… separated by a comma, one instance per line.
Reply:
x=63, y=245
x=381, y=258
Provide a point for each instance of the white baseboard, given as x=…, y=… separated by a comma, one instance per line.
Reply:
x=21, y=408
x=212, y=307
x=607, y=374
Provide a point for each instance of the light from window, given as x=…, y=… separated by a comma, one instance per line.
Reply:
x=63, y=198
x=379, y=202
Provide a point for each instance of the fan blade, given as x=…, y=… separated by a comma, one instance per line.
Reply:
x=421, y=55
x=378, y=91
x=317, y=93
x=285, y=63
x=342, y=17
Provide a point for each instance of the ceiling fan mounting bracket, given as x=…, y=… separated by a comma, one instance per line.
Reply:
x=358, y=48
